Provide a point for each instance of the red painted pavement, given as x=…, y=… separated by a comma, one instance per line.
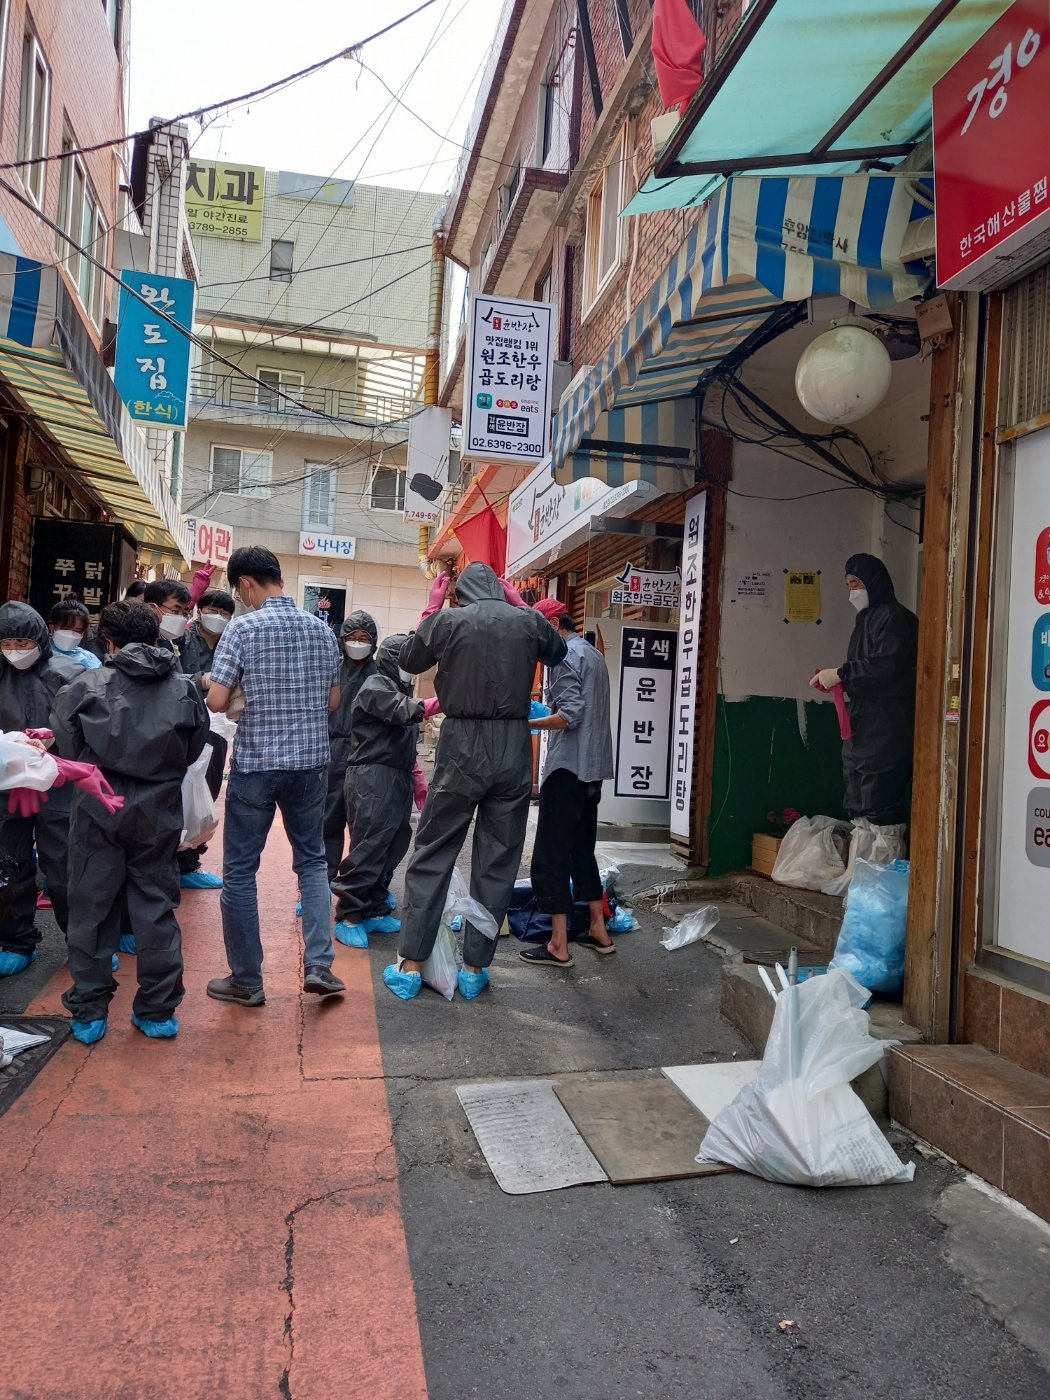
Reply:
x=215, y=1216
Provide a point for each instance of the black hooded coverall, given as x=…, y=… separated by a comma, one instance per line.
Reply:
x=143, y=723
x=382, y=756
x=195, y=655
x=879, y=680
x=352, y=675
x=486, y=653
x=25, y=703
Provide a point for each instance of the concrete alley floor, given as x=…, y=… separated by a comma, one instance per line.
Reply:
x=289, y=1202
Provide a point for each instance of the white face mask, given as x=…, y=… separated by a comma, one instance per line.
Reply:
x=357, y=651
x=66, y=640
x=407, y=677
x=22, y=660
x=246, y=603
x=213, y=622
x=173, y=626
x=859, y=598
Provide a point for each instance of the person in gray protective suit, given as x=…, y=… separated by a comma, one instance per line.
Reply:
x=357, y=641
x=379, y=787
x=486, y=652
x=31, y=675
x=143, y=723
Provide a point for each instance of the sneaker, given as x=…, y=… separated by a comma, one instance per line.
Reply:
x=10, y=963
x=43, y=900
x=472, y=984
x=126, y=943
x=351, y=935
x=323, y=981
x=89, y=1032
x=156, y=1030
x=226, y=989
x=386, y=924
x=200, y=880
x=391, y=902
x=405, y=985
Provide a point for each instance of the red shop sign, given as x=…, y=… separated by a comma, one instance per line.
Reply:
x=991, y=160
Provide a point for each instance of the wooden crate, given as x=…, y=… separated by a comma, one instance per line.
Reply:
x=764, y=851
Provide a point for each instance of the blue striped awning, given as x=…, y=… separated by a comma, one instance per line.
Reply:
x=759, y=242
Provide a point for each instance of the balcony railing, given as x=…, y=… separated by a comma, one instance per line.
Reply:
x=209, y=390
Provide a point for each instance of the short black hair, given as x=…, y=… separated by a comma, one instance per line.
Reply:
x=128, y=621
x=166, y=590
x=256, y=562
x=135, y=590
x=566, y=623
x=69, y=610
x=217, y=598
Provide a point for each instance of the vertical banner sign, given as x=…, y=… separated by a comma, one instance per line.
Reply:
x=687, y=678
x=211, y=541
x=508, y=394
x=225, y=201
x=643, y=738
x=429, y=437
x=152, y=370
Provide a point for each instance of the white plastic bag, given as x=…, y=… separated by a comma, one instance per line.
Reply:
x=811, y=855
x=459, y=901
x=879, y=845
x=23, y=766
x=441, y=969
x=799, y=1121
x=222, y=725
x=690, y=929
x=200, y=817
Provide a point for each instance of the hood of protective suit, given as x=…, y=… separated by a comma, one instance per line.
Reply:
x=478, y=584
x=20, y=620
x=144, y=663
x=875, y=577
x=388, y=656
x=359, y=621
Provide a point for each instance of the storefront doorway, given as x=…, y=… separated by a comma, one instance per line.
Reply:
x=325, y=600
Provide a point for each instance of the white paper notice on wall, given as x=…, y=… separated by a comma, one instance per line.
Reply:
x=751, y=589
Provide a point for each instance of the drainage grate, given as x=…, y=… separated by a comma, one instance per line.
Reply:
x=23, y=1069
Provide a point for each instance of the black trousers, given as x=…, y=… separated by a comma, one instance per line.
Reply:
x=566, y=833
x=191, y=860
x=335, y=820
x=379, y=809
x=49, y=832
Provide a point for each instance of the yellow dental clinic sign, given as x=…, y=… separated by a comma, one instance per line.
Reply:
x=225, y=201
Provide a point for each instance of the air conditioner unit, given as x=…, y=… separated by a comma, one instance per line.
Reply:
x=919, y=243
x=561, y=373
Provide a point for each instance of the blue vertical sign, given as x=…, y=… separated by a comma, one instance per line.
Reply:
x=152, y=369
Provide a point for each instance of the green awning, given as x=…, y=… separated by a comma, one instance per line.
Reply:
x=804, y=86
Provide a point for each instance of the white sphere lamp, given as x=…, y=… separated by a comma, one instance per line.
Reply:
x=843, y=375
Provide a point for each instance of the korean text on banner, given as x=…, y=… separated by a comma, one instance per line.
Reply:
x=647, y=588
x=211, y=541
x=225, y=201
x=687, y=678
x=327, y=546
x=508, y=395
x=152, y=368
x=429, y=436
x=643, y=737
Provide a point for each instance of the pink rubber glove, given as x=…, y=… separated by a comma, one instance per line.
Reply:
x=838, y=696
x=25, y=802
x=431, y=707
x=436, y=601
x=512, y=595
x=88, y=779
x=43, y=736
x=419, y=788
x=201, y=582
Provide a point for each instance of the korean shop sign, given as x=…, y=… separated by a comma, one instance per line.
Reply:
x=991, y=157
x=327, y=546
x=211, y=541
x=152, y=369
x=225, y=201
x=688, y=675
x=647, y=588
x=643, y=732
x=508, y=394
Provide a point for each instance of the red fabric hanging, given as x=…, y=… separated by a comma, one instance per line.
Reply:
x=484, y=540
x=678, y=52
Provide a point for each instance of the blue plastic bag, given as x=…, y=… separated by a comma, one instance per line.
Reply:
x=871, y=941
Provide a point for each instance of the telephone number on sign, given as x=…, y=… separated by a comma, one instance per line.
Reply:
x=492, y=444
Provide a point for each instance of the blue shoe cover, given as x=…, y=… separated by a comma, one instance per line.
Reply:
x=391, y=902
x=89, y=1032
x=126, y=943
x=456, y=923
x=299, y=909
x=10, y=963
x=115, y=964
x=351, y=935
x=386, y=924
x=405, y=985
x=472, y=984
x=156, y=1030
x=200, y=880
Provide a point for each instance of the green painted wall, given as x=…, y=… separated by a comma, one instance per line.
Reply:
x=762, y=764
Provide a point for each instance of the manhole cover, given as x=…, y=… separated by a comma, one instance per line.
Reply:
x=23, y=1069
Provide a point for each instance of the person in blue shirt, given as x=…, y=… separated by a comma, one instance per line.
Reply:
x=69, y=624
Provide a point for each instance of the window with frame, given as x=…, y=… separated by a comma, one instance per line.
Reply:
x=386, y=489
x=508, y=192
x=33, y=114
x=5, y=16
x=319, y=496
x=603, y=239
x=274, y=383
x=545, y=292
x=240, y=472
x=282, y=254
x=548, y=110
x=84, y=228
x=114, y=11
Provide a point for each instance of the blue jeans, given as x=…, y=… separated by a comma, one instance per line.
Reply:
x=251, y=803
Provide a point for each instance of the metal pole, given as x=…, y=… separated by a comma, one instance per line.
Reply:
x=432, y=364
